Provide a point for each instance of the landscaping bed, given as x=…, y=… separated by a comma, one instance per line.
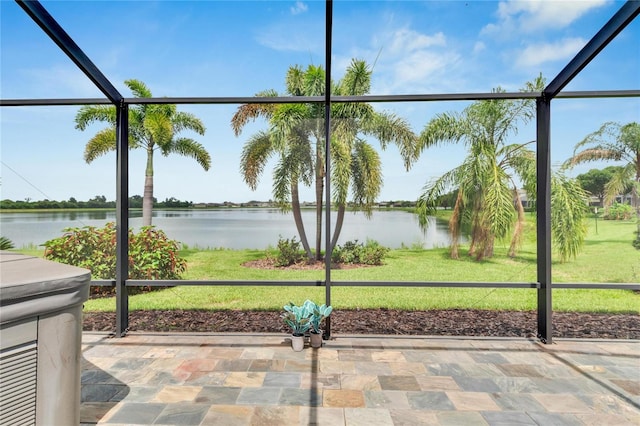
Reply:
x=452, y=322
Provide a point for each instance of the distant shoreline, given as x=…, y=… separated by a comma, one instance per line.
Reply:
x=380, y=206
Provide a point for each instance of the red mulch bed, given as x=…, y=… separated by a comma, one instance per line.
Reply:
x=466, y=322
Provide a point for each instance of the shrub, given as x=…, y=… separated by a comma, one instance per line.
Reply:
x=152, y=256
x=289, y=252
x=87, y=247
x=618, y=211
x=358, y=253
x=6, y=244
x=636, y=242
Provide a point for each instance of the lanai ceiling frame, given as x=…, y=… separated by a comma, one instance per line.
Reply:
x=625, y=15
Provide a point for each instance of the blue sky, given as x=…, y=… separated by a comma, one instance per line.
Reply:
x=238, y=48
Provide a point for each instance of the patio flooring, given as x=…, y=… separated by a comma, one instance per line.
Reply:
x=257, y=379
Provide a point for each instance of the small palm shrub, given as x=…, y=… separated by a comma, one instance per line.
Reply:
x=6, y=244
x=371, y=253
x=289, y=252
x=152, y=256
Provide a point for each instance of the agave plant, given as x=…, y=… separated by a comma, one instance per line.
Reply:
x=298, y=318
x=318, y=314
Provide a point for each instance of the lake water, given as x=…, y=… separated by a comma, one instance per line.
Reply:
x=233, y=228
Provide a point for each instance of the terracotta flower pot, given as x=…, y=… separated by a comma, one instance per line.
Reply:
x=316, y=339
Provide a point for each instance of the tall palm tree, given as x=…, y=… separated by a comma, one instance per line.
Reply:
x=296, y=135
x=614, y=142
x=486, y=180
x=152, y=128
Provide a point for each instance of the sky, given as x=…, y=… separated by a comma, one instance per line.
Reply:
x=239, y=48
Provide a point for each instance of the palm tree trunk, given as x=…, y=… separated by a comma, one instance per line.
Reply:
x=488, y=247
x=319, y=193
x=477, y=236
x=518, y=230
x=338, y=229
x=297, y=217
x=635, y=197
x=147, y=199
x=454, y=226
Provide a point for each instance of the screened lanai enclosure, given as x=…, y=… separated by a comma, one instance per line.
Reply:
x=423, y=77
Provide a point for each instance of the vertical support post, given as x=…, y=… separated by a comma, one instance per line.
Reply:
x=122, y=219
x=327, y=161
x=543, y=209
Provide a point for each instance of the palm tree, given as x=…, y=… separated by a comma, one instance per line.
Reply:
x=568, y=215
x=296, y=135
x=486, y=180
x=615, y=142
x=152, y=128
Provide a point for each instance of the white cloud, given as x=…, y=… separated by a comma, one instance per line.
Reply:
x=413, y=62
x=405, y=40
x=535, y=15
x=537, y=54
x=479, y=47
x=298, y=8
x=422, y=66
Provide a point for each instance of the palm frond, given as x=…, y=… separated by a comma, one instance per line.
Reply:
x=103, y=142
x=282, y=181
x=366, y=170
x=598, y=153
x=255, y=154
x=250, y=112
x=187, y=121
x=90, y=114
x=314, y=81
x=357, y=79
x=294, y=81
x=138, y=88
x=523, y=162
x=618, y=184
x=300, y=145
x=285, y=119
x=611, y=141
x=389, y=128
x=630, y=137
x=340, y=170
x=158, y=131
x=189, y=148
x=498, y=203
x=428, y=200
x=444, y=128
x=568, y=209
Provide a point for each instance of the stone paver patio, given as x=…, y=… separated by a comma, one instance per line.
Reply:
x=257, y=379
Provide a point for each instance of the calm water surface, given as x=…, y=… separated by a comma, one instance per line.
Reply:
x=232, y=228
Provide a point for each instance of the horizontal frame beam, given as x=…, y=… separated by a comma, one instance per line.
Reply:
x=320, y=283
x=320, y=99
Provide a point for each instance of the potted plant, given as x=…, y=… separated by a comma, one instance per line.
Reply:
x=299, y=319
x=318, y=314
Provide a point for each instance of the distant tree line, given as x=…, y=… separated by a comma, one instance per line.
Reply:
x=97, y=202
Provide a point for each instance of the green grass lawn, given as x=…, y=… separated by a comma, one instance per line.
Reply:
x=607, y=257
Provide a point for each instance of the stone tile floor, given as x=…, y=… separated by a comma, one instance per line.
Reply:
x=257, y=379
